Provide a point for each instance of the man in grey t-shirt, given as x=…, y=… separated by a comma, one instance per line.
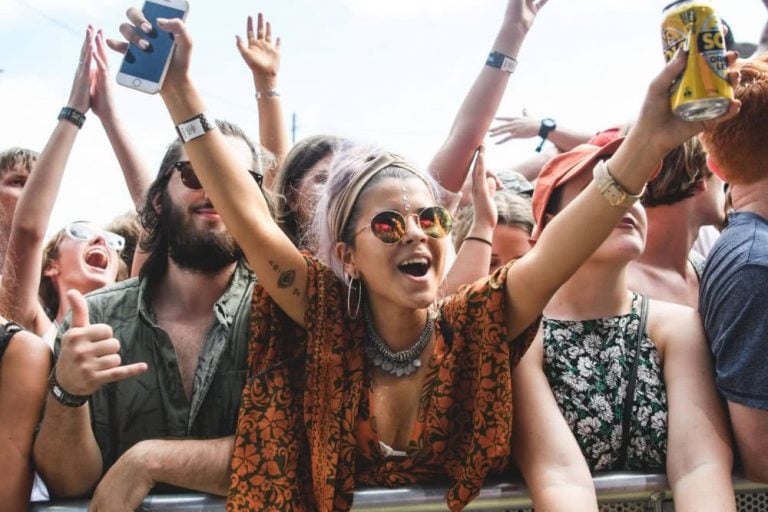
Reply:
x=733, y=296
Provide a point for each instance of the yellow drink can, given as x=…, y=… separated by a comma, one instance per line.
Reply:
x=702, y=91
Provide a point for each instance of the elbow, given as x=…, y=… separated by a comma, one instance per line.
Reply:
x=27, y=234
x=62, y=479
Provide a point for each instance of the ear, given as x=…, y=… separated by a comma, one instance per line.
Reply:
x=156, y=204
x=52, y=270
x=700, y=186
x=346, y=255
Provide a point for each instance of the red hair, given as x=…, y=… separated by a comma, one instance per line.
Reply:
x=738, y=146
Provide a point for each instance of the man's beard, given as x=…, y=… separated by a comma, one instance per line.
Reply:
x=193, y=249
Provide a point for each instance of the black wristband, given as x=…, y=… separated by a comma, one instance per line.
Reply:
x=478, y=239
x=500, y=61
x=62, y=396
x=75, y=117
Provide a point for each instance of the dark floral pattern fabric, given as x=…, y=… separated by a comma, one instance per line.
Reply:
x=588, y=364
x=306, y=436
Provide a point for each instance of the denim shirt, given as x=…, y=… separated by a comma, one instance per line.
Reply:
x=153, y=405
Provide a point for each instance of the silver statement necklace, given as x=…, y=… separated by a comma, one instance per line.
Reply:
x=400, y=363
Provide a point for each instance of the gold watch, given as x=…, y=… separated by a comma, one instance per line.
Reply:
x=614, y=193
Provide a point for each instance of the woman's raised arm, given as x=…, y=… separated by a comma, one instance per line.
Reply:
x=281, y=268
x=575, y=233
x=451, y=163
x=23, y=259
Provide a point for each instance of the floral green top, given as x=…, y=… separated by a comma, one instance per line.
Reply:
x=588, y=364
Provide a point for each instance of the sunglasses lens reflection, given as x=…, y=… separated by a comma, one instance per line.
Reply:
x=389, y=226
x=435, y=221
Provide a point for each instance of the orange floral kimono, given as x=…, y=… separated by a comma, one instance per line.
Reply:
x=306, y=435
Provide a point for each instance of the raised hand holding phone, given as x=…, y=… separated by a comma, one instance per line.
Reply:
x=151, y=48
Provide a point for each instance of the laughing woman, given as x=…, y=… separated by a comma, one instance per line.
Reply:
x=356, y=375
x=80, y=256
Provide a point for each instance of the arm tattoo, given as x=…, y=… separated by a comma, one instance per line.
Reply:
x=286, y=278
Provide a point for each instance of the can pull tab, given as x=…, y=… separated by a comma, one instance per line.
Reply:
x=687, y=43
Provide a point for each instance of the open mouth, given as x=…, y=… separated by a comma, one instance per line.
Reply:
x=416, y=267
x=97, y=258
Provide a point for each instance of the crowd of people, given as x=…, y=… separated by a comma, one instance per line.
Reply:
x=281, y=325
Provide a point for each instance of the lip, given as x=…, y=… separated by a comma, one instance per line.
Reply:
x=627, y=222
x=207, y=211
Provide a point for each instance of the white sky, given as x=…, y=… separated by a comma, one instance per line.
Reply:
x=387, y=71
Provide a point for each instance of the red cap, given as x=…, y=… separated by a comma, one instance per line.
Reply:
x=604, y=137
x=562, y=169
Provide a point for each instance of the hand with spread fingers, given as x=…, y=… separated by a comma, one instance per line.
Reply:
x=89, y=356
x=515, y=127
x=260, y=53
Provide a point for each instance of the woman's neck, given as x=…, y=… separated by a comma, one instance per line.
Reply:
x=671, y=234
x=399, y=327
x=597, y=290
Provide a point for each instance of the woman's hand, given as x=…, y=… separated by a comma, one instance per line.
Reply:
x=102, y=102
x=483, y=188
x=657, y=127
x=260, y=54
x=516, y=127
x=80, y=95
x=178, y=71
x=523, y=11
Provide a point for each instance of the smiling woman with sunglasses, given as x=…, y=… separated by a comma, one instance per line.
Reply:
x=356, y=376
x=81, y=256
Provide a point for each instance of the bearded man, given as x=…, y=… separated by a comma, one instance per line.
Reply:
x=153, y=360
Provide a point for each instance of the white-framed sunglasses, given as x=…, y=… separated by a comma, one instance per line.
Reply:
x=84, y=231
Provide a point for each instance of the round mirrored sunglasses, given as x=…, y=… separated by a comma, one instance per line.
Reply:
x=389, y=226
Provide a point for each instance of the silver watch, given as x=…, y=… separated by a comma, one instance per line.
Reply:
x=194, y=128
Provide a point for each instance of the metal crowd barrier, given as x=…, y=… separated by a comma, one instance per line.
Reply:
x=617, y=492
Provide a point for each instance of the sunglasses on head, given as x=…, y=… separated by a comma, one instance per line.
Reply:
x=189, y=178
x=389, y=225
x=86, y=232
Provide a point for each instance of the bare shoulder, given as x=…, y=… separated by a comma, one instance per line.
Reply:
x=673, y=323
x=27, y=354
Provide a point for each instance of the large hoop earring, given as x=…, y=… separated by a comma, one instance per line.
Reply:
x=350, y=285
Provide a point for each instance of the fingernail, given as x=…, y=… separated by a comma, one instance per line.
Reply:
x=143, y=44
x=146, y=27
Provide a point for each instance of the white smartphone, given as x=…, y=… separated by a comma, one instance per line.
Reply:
x=144, y=70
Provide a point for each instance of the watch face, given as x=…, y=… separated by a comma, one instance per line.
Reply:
x=548, y=123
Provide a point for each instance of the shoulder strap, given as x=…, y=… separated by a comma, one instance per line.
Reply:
x=629, y=398
x=7, y=332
